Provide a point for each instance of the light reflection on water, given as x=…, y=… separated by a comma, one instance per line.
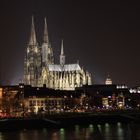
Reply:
x=118, y=131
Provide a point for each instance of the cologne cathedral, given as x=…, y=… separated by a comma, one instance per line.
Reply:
x=40, y=69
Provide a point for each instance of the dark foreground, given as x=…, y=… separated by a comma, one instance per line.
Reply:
x=106, y=131
x=68, y=120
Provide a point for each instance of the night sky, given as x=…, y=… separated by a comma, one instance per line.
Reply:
x=103, y=35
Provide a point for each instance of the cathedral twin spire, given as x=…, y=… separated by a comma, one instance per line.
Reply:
x=39, y=67
x=46, y=38
x=33, y=40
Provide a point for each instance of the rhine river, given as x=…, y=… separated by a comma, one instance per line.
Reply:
x=118, y=131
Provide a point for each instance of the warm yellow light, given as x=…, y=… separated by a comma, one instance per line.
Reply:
x=36, y=50
x=1, y=92
x=108, y=81
x=28, y=50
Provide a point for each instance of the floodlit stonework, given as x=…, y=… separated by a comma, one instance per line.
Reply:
x=40, y=69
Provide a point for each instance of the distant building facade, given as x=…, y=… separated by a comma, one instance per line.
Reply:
x=40, y=69
x=20, y=100
x=108, y=81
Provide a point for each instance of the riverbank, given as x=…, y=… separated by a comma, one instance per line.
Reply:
x=68, y=119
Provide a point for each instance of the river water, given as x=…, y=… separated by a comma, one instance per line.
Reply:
x=118, y=131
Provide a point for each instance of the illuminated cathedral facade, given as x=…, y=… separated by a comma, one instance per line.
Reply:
x=40, y=69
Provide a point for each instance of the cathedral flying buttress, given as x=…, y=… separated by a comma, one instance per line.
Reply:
x=40, y=69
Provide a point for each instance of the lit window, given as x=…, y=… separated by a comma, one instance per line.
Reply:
x=36, y=50
x=28, y=50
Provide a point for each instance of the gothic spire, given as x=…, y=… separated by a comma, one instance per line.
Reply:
x=46, y=39
x=62, y=48
x=62, y=56
x=33, y=34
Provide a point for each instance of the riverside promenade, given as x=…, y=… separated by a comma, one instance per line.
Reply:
x=69, y=119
